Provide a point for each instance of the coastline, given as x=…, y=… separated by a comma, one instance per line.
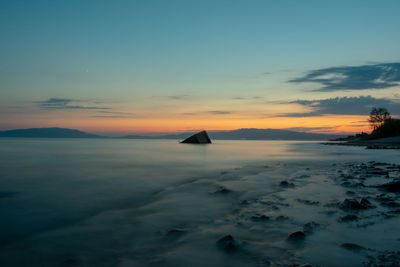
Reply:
x=381, y=143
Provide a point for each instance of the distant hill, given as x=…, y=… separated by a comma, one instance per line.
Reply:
x=240, y=134
x=246, y=134
x=47, y=133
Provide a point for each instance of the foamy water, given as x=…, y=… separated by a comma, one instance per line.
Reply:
x=110, y=202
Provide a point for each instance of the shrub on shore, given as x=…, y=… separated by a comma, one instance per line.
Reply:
x=390, y=128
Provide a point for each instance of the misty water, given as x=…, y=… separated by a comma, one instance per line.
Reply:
x=115, y=202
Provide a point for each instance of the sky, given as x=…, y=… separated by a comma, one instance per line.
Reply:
x=146, y=66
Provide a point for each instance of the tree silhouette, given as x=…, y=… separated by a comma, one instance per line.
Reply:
x=378, y=116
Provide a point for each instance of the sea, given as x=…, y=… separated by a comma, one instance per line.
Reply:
x=121, y=202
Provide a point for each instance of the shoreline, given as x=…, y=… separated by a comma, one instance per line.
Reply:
x=381, y=143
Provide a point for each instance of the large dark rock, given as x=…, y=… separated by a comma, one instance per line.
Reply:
x=353, y=204
x=348, y=218
x=199, y=138
x=227, y=243
x=297, y=236
x=391, y=187
x=286, y=184
x=352, y=247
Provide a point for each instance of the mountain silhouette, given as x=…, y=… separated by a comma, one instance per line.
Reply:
x=239, y=134
x=247, y=134
x=47, y=133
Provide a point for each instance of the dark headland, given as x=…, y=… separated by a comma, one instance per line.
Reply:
x=385, y=136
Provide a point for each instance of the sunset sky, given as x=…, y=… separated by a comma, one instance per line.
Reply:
x=165, y=66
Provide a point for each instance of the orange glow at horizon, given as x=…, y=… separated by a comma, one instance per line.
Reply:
x=322, y=124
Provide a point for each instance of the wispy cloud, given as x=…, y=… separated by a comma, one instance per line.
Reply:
x=220, y=112
x=378, y=76
x=246, y=98
x=66, y=103
x=214, y=112
x=178, y=97
x=115, y=112
x=112, y=116
x=343, y=106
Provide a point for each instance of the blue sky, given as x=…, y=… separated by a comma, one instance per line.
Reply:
x=137, y=56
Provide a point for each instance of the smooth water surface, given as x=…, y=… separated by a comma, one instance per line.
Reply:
x=114, y=202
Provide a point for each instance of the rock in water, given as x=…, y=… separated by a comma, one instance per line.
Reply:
x=227, y=243
x=391, y=187
x=199, y=138
x=352, y=247
x=353, y=204
x=297, y=236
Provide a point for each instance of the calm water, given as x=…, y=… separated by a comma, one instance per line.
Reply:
x=62, y=201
